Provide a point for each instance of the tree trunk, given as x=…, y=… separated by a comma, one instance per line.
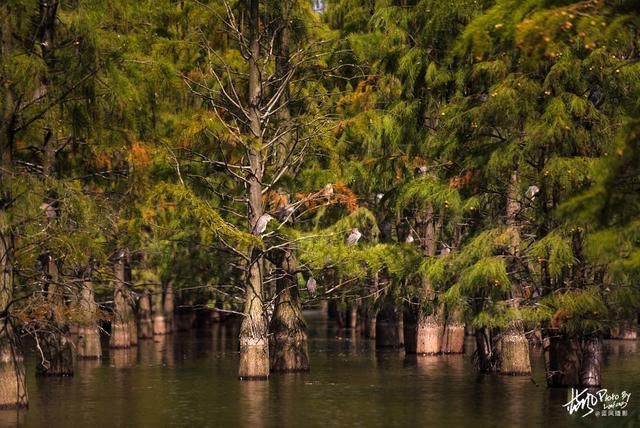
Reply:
x=157, y=308
x=88, y=344
x=120, y=329
x=571, y=361
x=429, y=323
x=513, y=347
x=625, y=330
x=454, y=332
x=353, y=316
x=486, y=359
x=169, y=308
x=144, y=315
x=13, y=388
x=54, y=341
x=254, y=344
x=289, y=349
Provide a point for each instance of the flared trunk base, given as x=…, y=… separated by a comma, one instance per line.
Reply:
x=57, y=351
x=119, y=336
x=88, y=344
x=289, y=352
x=254, y=359
x=13, y=388
x=453, y=341
x=429, y=334
x=513, y=354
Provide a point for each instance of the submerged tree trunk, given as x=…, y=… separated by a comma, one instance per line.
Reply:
x=513, y=347
x=54, y=341
x=625, y=330
x=254, y=343
x=157, y=309
x=169, y=308
x=88, y=344
x=429, y=322
x=13, y=388
x=120, y=328
x=144, y=315
x=572, y=361
x=486, y=359
x=289, y=349
x=454, y=332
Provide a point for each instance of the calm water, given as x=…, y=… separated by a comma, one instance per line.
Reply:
x=189, y=379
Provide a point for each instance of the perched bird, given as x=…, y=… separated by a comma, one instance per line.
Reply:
x=49, y=210
x=261, y=224
x=532, y=191
x=445, y=250
x=596, y=97
x=386, y=230
x=311, y=286
x=409, y=239
x=328, y=190
x=285, y=212
x=421, y=170
x=379, y=196
x=354, y=237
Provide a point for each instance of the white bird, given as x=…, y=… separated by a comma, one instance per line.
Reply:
x=49, y=210
x=311, y=286
x=409, y=239
x=261, y=224
x=328, y=190
x=445, y=250
x=354, y=237
x=532, y=191
x=379, y=196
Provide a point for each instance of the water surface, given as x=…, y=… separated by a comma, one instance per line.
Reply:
x=189, y=379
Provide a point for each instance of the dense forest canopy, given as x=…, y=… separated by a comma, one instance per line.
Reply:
x=442, y=163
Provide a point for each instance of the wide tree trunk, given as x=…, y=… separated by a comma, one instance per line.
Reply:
x=572, y=361
x=454, y=332
x=289, y=349
x=625, y=330
x=88, y=343
x=120, y=328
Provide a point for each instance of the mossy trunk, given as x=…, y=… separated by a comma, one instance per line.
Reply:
x=88, y=343
x=513, y=353
x=572, y=361
x=145, y=321
x=371, y=326
x=454, y=332
x=289, y=349
x=13, y=387
x=120, y=328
